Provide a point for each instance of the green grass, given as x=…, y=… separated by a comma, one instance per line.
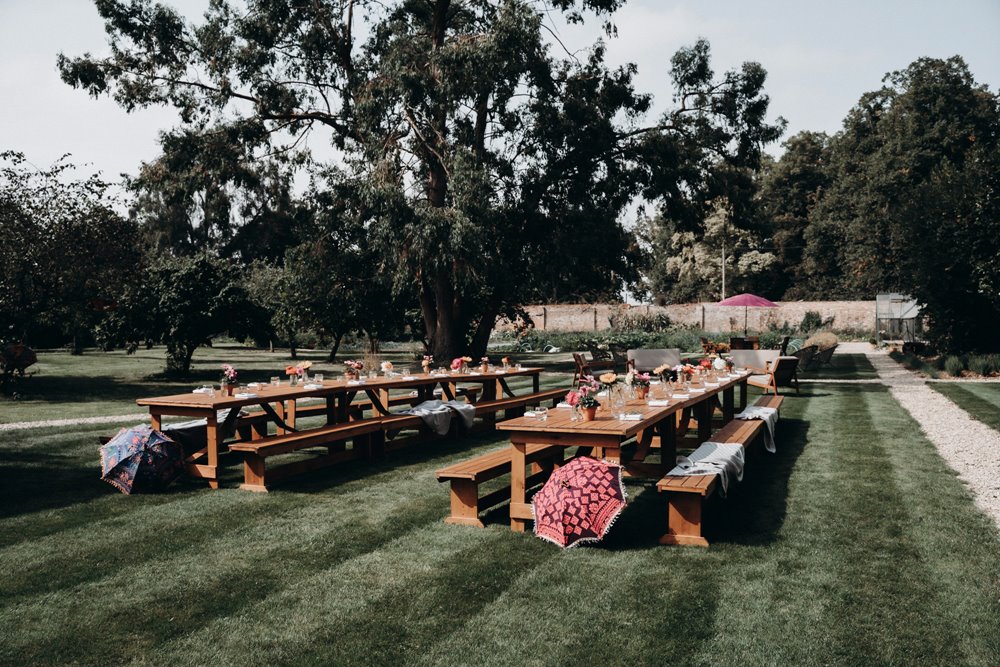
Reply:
x=842, y=367
x=980, y=400
x=916, y=363
x=855, y=545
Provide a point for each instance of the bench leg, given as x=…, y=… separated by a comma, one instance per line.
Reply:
x=253, y=474
x=464, y=503
x=684, y=520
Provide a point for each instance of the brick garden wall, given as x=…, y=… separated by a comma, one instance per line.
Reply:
x=708, y=316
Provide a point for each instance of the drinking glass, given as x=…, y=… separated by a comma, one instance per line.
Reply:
x=275, y=380
x=542, y=413
x=318, y=378
x=405, y=370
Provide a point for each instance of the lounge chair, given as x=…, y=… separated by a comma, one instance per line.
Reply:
x=805, y=356
x=824, y=357
x=779, y=373
x=584, y=367
x=644, y=361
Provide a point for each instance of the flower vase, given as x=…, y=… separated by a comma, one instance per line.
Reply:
x=640, y=393
x=293, y=380
x=484, y=368
x=589, y=414
x=228, y=388
x=427, y=368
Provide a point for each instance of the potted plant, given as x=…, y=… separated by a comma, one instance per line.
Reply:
x=228, y=381
x=484, y=365
x=294, y=373
x=386, y=367
x=586, y=398
x=352, y=370
x=461, y=364
x=426, y=363
x=639, y=383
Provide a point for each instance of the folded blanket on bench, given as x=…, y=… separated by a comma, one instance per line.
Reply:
x=718, y=458
x=770, y=417
x=437, y=414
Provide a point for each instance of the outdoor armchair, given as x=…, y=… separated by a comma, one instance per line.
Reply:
x=644, y=361
x=779, y=373
x=584, y=367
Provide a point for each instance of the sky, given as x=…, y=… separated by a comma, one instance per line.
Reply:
x=820, y=58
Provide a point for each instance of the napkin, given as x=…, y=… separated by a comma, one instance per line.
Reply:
x=602, y=393
x=697, y=391
x=208, y=392
x=312, y=386
x=439, y=375
x=563, y=404
x=355, y=383
x=500, y=372
x=409, y=377
x=631, y=417
x=657, y=402
x=246, y=394
x=682, y=396
x=711, y=384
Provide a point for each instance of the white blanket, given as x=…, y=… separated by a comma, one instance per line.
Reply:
x=438, y=414
x=770, y=417
x=725, y=460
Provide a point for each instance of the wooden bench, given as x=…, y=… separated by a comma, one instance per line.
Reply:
x=686, y=494
x=514, y=406
x=256, y=476
x=466, y=476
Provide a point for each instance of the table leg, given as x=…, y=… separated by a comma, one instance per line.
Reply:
x=331, y=410
x=704, y=412
x=279, y=407
x=535, y=379
x=155, y=420
x=743, y=395
x=667, y=429
x=212, y=441
x=517, y=497
x=728, y=401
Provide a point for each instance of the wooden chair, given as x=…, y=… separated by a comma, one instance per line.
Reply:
x=584, y=367
x=780, y=373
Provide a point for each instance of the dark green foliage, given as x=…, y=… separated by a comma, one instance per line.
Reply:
x=954, y=366
x=467, y=142
x=183, y=302
x=813, y=321
x=984, y=364
x=64, y=251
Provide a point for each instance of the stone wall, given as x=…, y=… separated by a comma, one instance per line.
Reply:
x=707, y=316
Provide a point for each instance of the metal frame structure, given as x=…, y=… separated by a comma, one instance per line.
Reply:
x=897, y=318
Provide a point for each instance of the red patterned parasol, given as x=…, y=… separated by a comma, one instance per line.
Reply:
x=747, y=301
x=579, y=502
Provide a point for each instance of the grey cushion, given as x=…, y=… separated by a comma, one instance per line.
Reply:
x=753, y=358
x=646, y=360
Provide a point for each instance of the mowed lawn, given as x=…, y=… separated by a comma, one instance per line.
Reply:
x=854, y=545
x=979, y=399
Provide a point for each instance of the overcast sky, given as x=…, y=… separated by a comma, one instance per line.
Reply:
x=820, y=58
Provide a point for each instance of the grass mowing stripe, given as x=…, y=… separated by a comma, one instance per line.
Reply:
x=154, y=600
x=956, y=542
x=579, y=607
x=884, y=584
x=981, y=401
x=359, y=611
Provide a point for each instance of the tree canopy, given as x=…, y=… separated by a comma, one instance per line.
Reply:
x=485, y=168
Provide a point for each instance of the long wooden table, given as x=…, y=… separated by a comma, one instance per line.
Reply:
x=338, y=394
x=609, y=434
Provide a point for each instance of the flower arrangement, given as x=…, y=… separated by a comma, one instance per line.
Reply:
x=705, y=364
x=228, y=374
x=505, y=361
x=356, y=366
x=386, y=367
x=458, y=362
x=662, y=371
x=684, y=369
x=294, y=370
x=609, y=380
x=426, y=362
x=587, y=393
x=637, y=380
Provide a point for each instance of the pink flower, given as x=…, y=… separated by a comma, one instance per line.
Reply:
x=573, y=398
x=456, y=363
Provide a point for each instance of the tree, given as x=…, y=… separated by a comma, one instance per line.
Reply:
x=471, y=145
x=64, y=251
x=183, y=302
x=790, y=189
x=913, y=202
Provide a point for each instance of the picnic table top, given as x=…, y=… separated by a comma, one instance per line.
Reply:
x=559, y=421
x=270, y=393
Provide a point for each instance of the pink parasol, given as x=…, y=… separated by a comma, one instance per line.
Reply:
x=747, y=301
x=579, y=502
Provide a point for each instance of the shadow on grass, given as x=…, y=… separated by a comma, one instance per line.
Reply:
x=755, y=510
x=77, y=389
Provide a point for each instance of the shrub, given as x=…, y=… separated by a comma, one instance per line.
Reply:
x=984, y=364
x=954, y=366
x=822, y=340
x=813, y=321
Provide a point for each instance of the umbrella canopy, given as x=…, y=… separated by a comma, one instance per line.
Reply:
x=141, y=460
x=579, y=502
x=747, y=301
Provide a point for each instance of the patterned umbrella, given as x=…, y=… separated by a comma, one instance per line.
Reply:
x=579, y=502
x=141, y=460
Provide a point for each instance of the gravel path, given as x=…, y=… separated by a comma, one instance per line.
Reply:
x=17, y=426
x=970, y=447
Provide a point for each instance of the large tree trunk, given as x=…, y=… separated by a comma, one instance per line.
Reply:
x=332, y=357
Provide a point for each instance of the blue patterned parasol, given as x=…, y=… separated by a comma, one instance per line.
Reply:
x=141, y=460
